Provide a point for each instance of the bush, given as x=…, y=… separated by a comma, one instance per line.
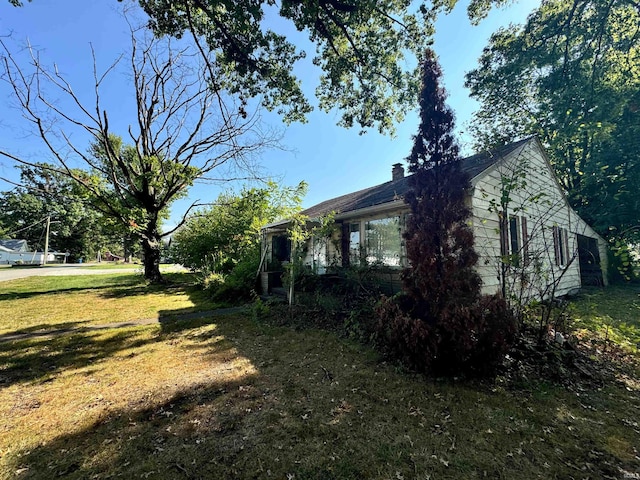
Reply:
x=471, y=340
x=497, y=333
x=212, y=282
x=410, y=340
x=240, y=284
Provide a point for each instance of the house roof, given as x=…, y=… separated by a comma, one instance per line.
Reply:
x=387, y=192
x=15, y=245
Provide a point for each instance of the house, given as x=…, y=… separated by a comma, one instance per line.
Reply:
x=13, y=251
x=531, y=243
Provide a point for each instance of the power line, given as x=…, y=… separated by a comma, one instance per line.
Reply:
x=26, y=228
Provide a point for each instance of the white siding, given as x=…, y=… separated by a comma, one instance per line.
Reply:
x=535, y=195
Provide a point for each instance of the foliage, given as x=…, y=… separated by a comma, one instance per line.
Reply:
x=212, y=281
x=439, y=240
x=622, y=265
x=240, y=284
x=299, y=232
x=571, y=75
x=184, y=131
x=219, y=236
x=361, y=48
x=77, y=227
x=441, y=323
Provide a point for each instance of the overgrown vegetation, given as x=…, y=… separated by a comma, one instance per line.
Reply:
x=229, y=397
x=441, y=324
x=222, y=242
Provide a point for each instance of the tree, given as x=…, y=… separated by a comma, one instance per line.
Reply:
x=442, y=324
x=364, y=49
x=439, y=241
x=76, y=227
x=218, y=237
x=572, y=76
x=184, y=131
x=361, y=47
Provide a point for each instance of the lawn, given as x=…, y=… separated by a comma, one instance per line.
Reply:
x=45, y=303
x=233, y=397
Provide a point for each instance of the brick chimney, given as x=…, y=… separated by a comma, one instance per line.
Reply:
x=397, y=172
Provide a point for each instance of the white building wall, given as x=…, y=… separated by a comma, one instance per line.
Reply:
x=525, y=178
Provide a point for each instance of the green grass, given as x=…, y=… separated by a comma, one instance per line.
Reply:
x=44, y=303
x=612, y=314
x=114, y=266
x=231, y=397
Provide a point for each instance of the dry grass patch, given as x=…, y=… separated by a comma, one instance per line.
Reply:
x=242, y=399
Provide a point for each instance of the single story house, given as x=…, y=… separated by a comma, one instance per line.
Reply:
x=530, y=241
x=13, y=251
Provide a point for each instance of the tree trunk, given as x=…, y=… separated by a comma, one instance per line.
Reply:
x=151, y=250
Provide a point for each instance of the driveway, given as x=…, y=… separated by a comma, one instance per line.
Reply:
x=11, y=273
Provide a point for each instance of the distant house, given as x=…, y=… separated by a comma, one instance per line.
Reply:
x=17, y=252
x=529, y=239
x=15, y=245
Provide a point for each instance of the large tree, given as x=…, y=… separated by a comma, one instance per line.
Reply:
x=439, y=240
x=571, y=75
x=76, y=226
x=442, y=324
x=366, y=50
x=185, y=129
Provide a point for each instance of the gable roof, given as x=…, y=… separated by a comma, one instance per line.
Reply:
x=387, y=192
x=15, y=245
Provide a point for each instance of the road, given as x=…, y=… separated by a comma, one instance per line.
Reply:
x=10, y=273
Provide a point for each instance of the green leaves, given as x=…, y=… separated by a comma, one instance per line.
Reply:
x=572, y=76
x=220, y=236
x=361, y=47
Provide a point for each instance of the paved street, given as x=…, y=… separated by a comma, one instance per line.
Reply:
x=11, y=273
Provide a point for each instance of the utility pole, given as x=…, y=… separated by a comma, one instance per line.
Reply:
x=46, y=241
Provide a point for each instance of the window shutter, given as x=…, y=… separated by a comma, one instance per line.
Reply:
x=525, y=241
x=556, y=244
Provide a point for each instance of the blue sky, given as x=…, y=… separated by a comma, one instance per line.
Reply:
x=331, y=159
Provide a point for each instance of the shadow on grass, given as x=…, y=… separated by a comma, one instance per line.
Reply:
x=43, y=329
x=32, y=294
x=41, y=359
x=182, y=436
x=319, y=408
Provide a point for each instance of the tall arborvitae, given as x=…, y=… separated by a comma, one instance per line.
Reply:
x=442, y=324
x=439, y=240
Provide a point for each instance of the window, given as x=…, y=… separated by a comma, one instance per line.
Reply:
x=281, y=248
x=384, y=241
x=561, y=246
x=514, y=236
x=354, y=243
x=514, y=239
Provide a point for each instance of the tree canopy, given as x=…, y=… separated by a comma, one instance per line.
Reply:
x=571, y=75
x=366, y=50
x=183, y=131
x=77, y=227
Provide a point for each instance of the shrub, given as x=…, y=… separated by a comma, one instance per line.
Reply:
x=212, y=282
x=496, y=334
x=471, y=340
x=240, y=284
x=410, y=340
